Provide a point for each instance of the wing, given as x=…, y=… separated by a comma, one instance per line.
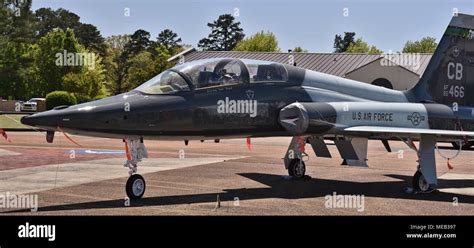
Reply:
x=401, y=131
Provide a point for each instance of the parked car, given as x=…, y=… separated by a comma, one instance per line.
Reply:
x=31, y=105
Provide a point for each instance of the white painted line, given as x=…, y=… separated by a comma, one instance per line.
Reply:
x=458, y=176
x=40, y=178
x=459, y=191
x=8, y=153
x=99, y=149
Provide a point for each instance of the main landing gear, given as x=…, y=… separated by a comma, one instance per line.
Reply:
x=420, y=185
x=462, y=145
x=294, y=158
x=135, y=151
x=425, y=178
x=424, y=181
x=296, y=168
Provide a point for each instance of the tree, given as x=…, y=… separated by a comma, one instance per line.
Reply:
x=17, y=70
x=131, y=60
x=116, y=64
x=341, y=44
x=141, y=69
x=16, y=48
x=88, y=83
x=145, y=65
x=425, y=45
x=6, y=20
x=117, y=41
x=30, y=44
x=161, y=60
x=17, y=20
x=51, y=72
x=88, y=35
x=64, y=64
x=49, y=19
x=299, y=50
x=120, y=51
x=168, y=39
x=139, y=41
x=225, y=33
x=360, y=46
x=259, y=42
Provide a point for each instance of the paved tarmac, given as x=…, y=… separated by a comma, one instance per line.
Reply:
x=223, y=179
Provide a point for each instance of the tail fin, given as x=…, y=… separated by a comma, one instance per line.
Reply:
x=449, y=76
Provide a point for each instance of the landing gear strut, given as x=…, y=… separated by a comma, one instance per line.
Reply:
x=135, y=151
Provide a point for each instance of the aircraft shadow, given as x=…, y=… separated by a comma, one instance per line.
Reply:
x=279, y=187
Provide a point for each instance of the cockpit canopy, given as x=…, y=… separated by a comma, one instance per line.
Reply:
x=208, y=73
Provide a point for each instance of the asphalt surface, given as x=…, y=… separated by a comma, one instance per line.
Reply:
x=223, y=179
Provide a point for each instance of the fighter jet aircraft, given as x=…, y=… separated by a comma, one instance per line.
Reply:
x=230, y=98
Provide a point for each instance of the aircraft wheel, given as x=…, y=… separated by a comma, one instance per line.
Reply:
x=420, y=184
x=297, y=168
x=465, y=146
x=135, y=187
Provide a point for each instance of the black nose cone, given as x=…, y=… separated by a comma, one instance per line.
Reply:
x=45, y=119
x=28, y=120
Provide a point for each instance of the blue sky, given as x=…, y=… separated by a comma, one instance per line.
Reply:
x=388, y=24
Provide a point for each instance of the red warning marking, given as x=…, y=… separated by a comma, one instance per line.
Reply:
x=449, y=165
x=413, y=146
x=4, y=134
x=67, y=137
x=249, y=144
x=127, y=152
x=301, y=143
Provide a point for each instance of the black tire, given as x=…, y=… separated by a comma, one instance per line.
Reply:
x=297, y=168
x=455, y=145
x=419, y=183
x=465, y=146
x=135, y=187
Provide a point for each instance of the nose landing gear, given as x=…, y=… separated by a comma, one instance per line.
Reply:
x=135, y=150
x=135, y=187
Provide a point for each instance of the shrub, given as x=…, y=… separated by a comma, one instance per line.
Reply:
x=82, y=98
x=59, y=98
x=99, y=97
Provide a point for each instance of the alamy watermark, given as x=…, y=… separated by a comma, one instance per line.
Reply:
x=412, y=60
x=13, y=201
x=37, y=231
x=345, y=201
x=230, y=106
x=75, y=59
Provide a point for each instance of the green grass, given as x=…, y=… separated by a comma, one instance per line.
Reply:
x=12, y=121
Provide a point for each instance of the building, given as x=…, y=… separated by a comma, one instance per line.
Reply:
x=394, y=71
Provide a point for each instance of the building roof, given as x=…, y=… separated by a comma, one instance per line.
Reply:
x=338, y=64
